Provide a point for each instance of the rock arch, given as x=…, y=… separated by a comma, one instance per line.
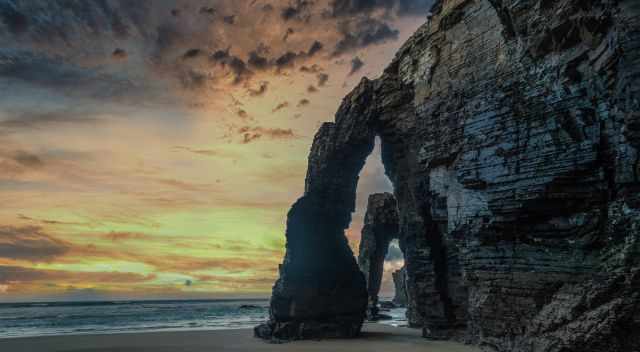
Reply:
x=381, y=226
x=509, y=130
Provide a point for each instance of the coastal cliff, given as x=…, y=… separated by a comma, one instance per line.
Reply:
x=510, y=131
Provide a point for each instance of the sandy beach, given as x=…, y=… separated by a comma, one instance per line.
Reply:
x=375, y=337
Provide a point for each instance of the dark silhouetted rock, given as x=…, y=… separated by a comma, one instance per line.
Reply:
x=510, y=130
x=380, y=227
x=400, y=284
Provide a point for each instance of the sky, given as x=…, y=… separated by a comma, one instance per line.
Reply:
x=151, y=149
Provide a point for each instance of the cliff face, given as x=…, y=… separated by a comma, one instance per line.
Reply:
x=510, y=130
x=380, y=227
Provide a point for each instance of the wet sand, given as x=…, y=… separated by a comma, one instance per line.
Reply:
x=375, y=337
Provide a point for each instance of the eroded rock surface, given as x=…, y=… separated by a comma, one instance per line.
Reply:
x=380, y=227
x=510, y=130
x=400, y=284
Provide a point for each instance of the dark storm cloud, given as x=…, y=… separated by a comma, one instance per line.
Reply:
x=258, y=61
x=235, y=64
x=297, y=10
x=286, y=60
x=58, y=22
x=290, y=58
x=356, y=65
x=30, y=243
x=15, y=21
x=341, y=8
x=363, y=33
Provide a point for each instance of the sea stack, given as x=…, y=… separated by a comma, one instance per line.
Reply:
x=510, y=131
x=380, y=227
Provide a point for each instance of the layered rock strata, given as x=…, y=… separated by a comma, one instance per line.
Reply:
x=510, y=130
x=380, y=227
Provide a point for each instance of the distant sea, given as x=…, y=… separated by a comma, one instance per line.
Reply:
x=73, y=318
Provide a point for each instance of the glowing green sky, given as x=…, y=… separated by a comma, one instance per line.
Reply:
x=151, y=149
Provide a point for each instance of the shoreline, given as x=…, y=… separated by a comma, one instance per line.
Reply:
x=375, y=337
x=161, y=330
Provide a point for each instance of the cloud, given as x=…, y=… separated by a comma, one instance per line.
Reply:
x=229, y=19
x=322, y=79
x=312, y=89
x=115, y=236
x=242, y=114
x=15, y=274
x=55, y=73
x=342, y=8
x=237, y=66
x=205, y=152
x=288, y=33
x=192, y=53
x=362, y=33
x=315, y=68
x=315, y=48
x=250, y=134
x=356, y=65
x=280, y=106
x=298, y=10
x=27, y=159
x=286, y=60
x=303, y=102
x=17, y=162
x=15, y=21
x=46, y=119
x=30, y=243
x=262, y=88
x=119, y=54
x=183, y=185
x=258, y=61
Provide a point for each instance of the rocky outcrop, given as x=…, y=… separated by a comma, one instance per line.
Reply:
x=400, y=285
x=510, y=130
x=380, y=227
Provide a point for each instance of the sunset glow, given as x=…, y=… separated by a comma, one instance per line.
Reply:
x=153, y=152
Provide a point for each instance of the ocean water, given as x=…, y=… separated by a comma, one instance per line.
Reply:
x=64, y=318
x=73, y=318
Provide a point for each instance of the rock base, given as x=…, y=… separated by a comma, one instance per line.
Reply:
x=345, y=327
